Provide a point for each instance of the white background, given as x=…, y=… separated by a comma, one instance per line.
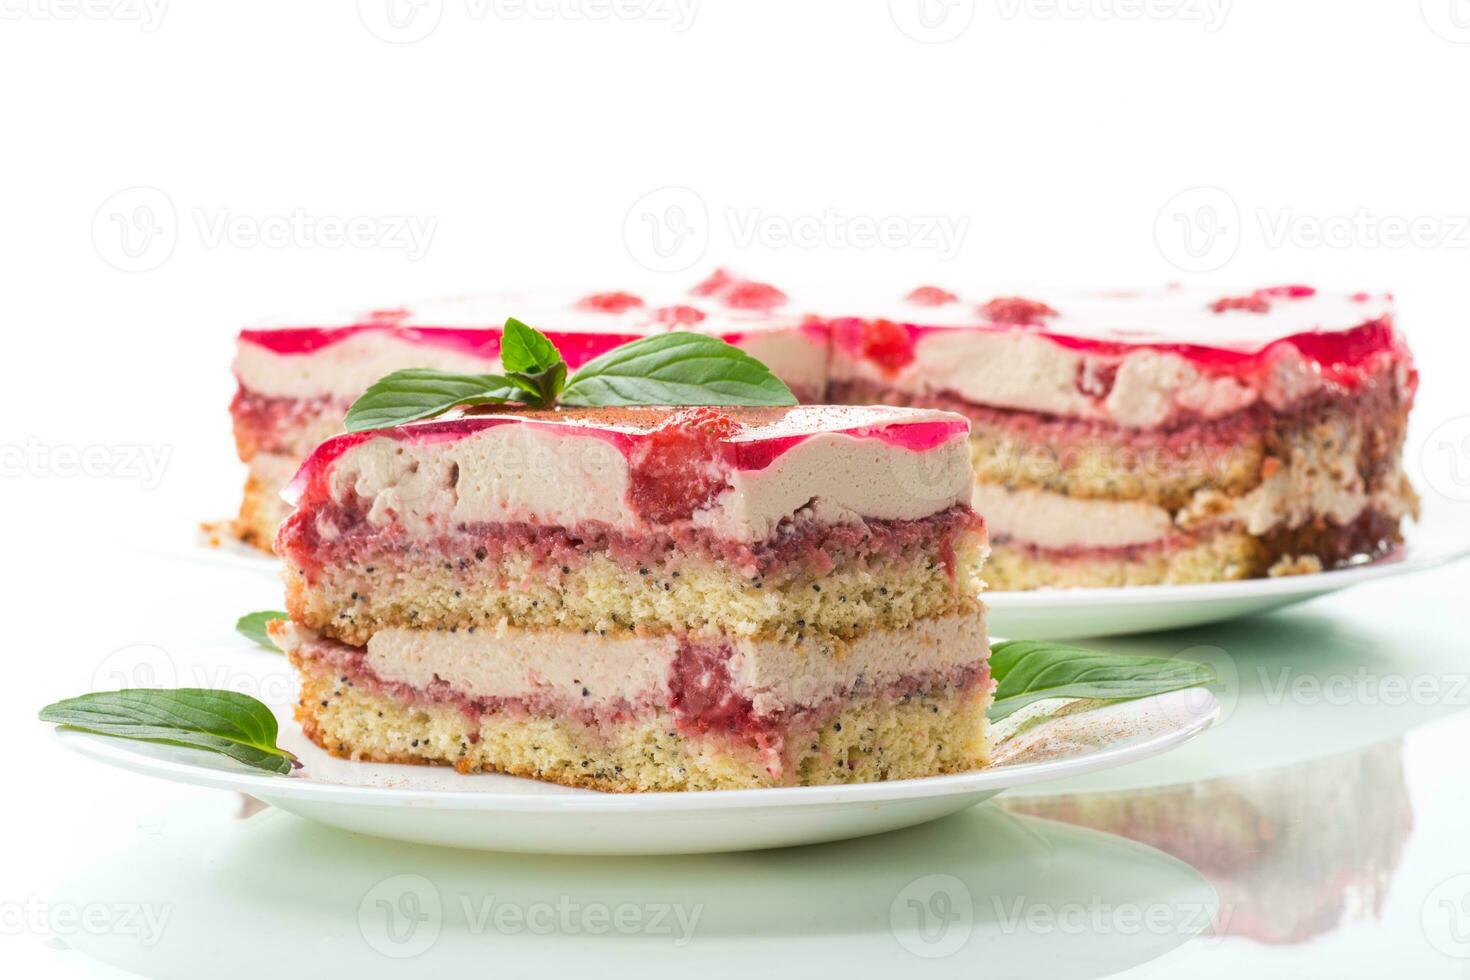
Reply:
x=1067, y=141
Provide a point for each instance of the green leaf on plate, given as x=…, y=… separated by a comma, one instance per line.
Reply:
x=227, y=722
x=676, y=369
x=252, y=627
x=420, y=393
x=1026, y=671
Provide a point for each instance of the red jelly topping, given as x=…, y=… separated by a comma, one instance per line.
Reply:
x=677, y=468
x=739, y=294
x=885, y=343
x=609, y=302
x=576, y=348
x=931, y=296
x=714, y=284
x=1287, y=292
x=750, y=295
x=1017, y=310
x=678, y=316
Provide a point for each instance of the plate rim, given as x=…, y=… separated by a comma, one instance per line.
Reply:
x=114, y=752
x=1407, y=562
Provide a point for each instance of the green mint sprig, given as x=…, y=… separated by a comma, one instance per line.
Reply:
x=252, y=627
x=229, y=723
x=1026, y=671
x=665, y=369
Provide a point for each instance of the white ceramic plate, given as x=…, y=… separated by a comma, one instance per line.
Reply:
x=1441, y=536
x=433, y=805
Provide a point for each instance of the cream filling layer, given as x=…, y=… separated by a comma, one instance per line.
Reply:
x=596, y=671
x=1054, y=520
x=1293, y=495
x=562, y=476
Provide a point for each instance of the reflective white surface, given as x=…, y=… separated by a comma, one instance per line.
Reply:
x=1318, y=829
x=489, y=811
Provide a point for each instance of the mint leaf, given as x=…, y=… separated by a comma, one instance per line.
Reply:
x=1027, y=671
x=419, y=393
x=526, y=350
x=542, y=387
x=232, y=724
x=676, y=369
x=252, y=627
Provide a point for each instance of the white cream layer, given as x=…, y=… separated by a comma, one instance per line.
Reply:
x=560, y=475
x=509, y=662
x=1054, y=520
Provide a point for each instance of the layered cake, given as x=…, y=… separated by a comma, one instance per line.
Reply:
x=644, y=598
x=1166, y=437
x=295, y=381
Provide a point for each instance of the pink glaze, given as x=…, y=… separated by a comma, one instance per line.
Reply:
x=919, y=437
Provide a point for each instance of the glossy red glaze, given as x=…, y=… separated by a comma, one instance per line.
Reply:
x=576, y=348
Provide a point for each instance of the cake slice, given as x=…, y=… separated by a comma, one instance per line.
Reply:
x=1159, y=437
x=296, y=379
x=644, y=598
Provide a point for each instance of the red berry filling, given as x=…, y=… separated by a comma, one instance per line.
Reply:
x=739, y=294
x=610, y=302
x=679, y=467
x=931, y=296
x=714, y=284
x=1096, y=378
x=887, y=344
x=1017, y=310
x=678, y=316
x=1246, y=304
x=1287, y=292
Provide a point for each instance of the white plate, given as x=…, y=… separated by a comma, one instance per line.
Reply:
x=1441, y=536
x=433, y=805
